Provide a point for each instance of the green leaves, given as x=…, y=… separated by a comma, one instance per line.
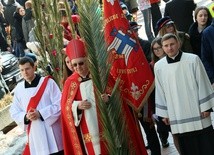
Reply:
x=49, y=33
x=112, y=120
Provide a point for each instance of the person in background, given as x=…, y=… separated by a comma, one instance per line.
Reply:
x=73, y=6
x=166, y=25
x=184, y=98
x=3, y=35
x=145, y=8
x=132, y=7
x=156, y=14
x=19, y=36
x=157, y=51
x=64, y=22
x=126, y=11
x=9, y=10
x=202, y=20
x=207, y=51
x=145, y=115
x=36, y=108
x=21, y=2
x=162, y=129
x=145, y=44
x=67, y=68
x=157, y=54
x=181, y=12
x=28, y=20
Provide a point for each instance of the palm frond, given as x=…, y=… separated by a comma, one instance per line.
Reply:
x=90, y=30
x=113, y=123
x=49, y=33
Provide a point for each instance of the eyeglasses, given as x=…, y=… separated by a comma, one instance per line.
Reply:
x=157, y=49
x=79, y=63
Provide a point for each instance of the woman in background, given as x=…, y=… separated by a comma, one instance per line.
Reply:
x=166, y=25
x=202, y=20
x=3, y=35
x=19, y=36
x=157, y=51
x=67, y=68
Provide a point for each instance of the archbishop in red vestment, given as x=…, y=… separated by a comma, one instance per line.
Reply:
x=80, y=118
x=81, y=127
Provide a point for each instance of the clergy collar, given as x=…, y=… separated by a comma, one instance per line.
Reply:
x=33, y=83
x=176, y=59
x=86, y=78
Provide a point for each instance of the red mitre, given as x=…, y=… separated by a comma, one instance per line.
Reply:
x=75, y=49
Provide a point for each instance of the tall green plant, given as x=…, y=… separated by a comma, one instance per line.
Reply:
x=49, y=33
x=113, y=123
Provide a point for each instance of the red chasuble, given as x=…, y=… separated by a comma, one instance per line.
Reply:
x=72, y=139
x=71, y=134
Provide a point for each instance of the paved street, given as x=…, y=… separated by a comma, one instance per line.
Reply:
x=14, y=141
x=171, y=150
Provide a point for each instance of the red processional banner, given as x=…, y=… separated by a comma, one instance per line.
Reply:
x=129, y=61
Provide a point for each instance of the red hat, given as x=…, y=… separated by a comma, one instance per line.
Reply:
x=75, y=49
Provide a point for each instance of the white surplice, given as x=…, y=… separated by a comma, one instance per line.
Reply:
x=45, y=136
x=87, y=93
x=183, y=91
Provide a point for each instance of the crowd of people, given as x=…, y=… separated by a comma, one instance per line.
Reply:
x=180, y=51
x=189, y=33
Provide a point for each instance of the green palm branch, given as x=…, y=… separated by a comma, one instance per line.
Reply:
x=114, y=128
x=48, y=23
x=49, y=33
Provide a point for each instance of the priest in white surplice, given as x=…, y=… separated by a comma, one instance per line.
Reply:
x=184, y=98
x=42, y=118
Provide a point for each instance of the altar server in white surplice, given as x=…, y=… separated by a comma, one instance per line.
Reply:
x=184, y=98
x=36, y=109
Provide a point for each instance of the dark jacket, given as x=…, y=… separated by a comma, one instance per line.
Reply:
x=21, y=2
x=27, y=23
x=180, y=12
x=18, y=27
x=8, y=13
x=9, y=10
x=207, y=50
x=195, y=38
x=3, y=34
x=131, y=4
x=146, y=45
x=185, y=42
